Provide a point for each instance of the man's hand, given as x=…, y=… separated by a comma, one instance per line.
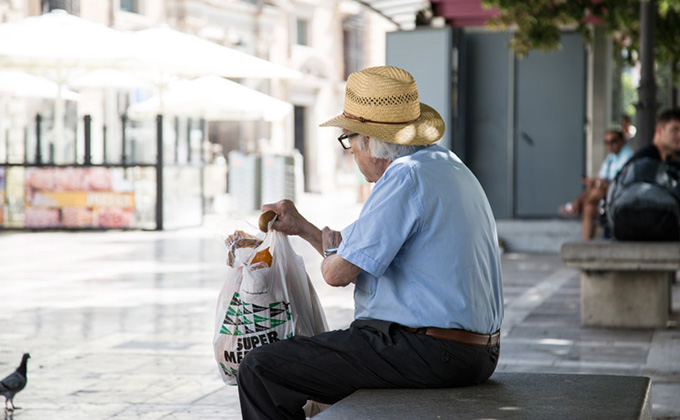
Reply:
x=288, y=219
x=594, y=182
x=336, y=271
x=290, y=222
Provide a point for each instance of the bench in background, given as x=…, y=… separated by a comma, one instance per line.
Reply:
x=624, y=284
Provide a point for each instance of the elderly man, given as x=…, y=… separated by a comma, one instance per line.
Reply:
x=423, y=258
x=666, y=142
x=588, y=202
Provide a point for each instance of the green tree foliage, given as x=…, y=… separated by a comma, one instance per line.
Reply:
x=628, y=94
x=668, y=31
x=538, y=24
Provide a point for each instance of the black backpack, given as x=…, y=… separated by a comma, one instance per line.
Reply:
x=643, y=202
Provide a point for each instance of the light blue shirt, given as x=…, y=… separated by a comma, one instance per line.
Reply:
x=426, y=242
x=613, y=163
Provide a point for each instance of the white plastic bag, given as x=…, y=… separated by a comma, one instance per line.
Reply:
x=261, y=303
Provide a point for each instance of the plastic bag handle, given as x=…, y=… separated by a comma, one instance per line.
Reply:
x=278, y=237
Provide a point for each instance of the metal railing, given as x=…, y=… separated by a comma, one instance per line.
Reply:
x=62, y=198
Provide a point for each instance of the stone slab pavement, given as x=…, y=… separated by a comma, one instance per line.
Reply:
x=119, y=324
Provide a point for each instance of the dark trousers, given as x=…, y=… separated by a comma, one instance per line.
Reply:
x=276, y=380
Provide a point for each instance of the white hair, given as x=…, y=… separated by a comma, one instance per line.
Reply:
x=381, y=149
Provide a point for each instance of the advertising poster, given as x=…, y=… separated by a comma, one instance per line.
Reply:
x=78, y=198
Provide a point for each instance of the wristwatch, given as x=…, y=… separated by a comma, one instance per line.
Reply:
x=330, y=251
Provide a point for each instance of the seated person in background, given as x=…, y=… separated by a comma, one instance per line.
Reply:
x=666, y=142
x=642, y=202
x=588, y=202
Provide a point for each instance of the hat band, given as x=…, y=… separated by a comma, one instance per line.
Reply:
x=363, y=120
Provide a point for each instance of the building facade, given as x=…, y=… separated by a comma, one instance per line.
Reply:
x=322, y=39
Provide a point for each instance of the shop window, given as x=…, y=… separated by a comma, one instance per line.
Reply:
x=71, y=6
x=353, y=46
x=302, y=37
x=300, y=116
x=131, y=6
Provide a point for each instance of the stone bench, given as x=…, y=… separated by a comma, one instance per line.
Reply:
x=624, y=284
x=506, y=396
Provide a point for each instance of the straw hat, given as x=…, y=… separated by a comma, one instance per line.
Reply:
x=382, y=102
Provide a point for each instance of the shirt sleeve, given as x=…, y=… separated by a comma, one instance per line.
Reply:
x=604, y=169
x=389, y=218
x=621, y=160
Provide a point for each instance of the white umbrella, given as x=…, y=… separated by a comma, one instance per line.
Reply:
x=21, y=84
x=214, y=99
x=110, y=79
x=58, y=40
x=53, y=45
x=173, y=52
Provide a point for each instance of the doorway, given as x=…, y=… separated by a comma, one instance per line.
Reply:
x=524, y=125
x=300, y=116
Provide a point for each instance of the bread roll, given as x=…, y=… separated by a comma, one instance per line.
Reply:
x=264, y=220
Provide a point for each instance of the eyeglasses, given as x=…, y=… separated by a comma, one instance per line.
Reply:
x=611, y=141
x=344, y=140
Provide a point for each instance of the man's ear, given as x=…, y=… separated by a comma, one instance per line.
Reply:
x=366, y=140
x=657, y=128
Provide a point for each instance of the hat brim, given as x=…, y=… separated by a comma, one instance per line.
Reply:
x=428, y=129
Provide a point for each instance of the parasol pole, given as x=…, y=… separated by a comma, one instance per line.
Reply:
x=59, y=120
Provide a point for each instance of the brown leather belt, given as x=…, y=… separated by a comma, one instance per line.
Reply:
x=459, y=336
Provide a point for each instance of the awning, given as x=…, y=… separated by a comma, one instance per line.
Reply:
x=401, y=12
x=463, y=12
x=455, y=12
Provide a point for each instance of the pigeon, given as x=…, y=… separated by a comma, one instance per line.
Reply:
x=14, y=383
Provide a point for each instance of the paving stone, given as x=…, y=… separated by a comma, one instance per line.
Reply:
x=119, y=324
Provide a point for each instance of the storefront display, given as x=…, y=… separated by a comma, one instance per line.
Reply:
x=15, y=189
x=71, y=197
x=97, y=197
x=2, y=196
